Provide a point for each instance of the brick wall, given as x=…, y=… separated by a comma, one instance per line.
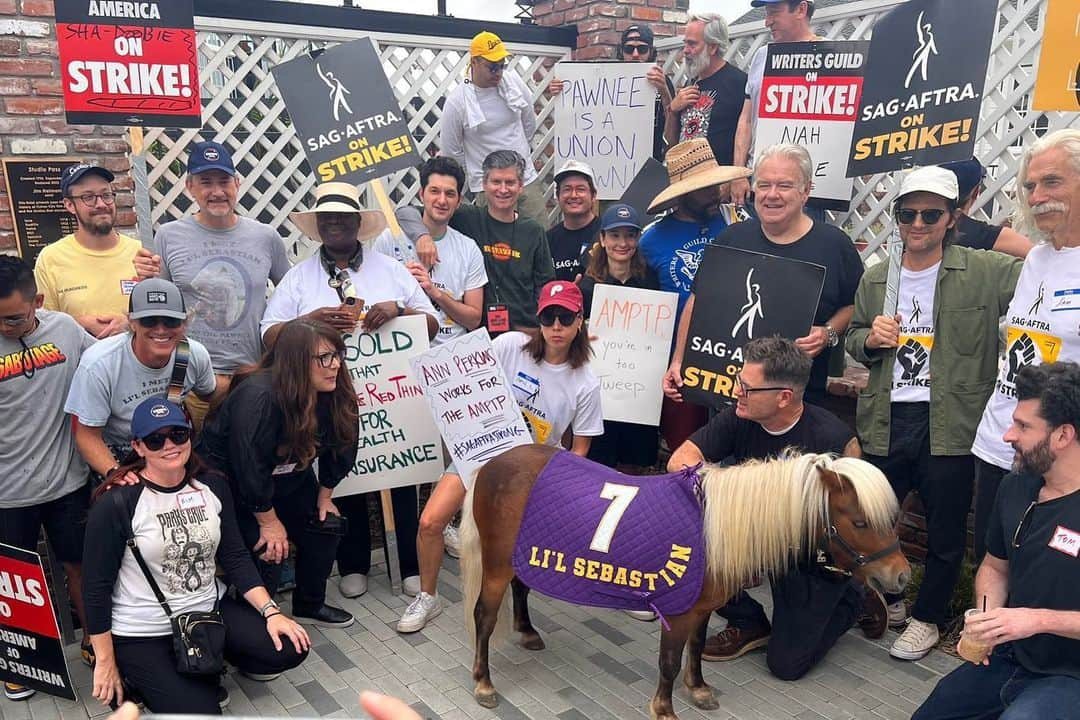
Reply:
x=600, y=22
x=32, y=109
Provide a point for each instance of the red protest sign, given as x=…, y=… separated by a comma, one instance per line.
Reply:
x=129, y=63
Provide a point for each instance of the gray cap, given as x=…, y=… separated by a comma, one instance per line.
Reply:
x=155, y=297
x=575, y=167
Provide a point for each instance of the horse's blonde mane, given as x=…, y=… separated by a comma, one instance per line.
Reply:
x=761, y=515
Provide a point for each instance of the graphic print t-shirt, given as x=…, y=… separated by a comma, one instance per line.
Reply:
x=1042, y=325
x=716, y=113
x=911, y=371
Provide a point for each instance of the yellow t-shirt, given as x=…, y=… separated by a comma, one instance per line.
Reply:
x=78, y=281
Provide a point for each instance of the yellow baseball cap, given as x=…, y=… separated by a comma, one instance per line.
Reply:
x=488, y=46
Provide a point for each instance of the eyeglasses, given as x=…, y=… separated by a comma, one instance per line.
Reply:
x=549, y=315
x=629, y=49
x=17, y=320
x=326, y=359
x=493, y=67
x=90, y=199
x=1023, y=521
x=156, y=440
x=907, y=216
x=152, y=322
x=746, y=389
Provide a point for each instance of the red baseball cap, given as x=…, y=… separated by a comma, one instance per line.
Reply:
x=563, y=293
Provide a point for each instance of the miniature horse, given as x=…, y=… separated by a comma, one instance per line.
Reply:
x=759, y=517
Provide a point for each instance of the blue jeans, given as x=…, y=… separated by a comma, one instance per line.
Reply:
x=1004, y=690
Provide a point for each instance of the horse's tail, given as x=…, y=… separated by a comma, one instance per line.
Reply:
x=472, y=573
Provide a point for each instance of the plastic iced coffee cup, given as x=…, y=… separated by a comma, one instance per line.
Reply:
x=968, y=649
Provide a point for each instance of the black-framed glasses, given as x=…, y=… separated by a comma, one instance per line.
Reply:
x=14, y=321
x=1023, y=521
x=907, y=216
x=156, y=440
x=154, y=320
x=326, y=359
x=747, y=390
x=642, y=49
x=549, y=315
x=90, y=199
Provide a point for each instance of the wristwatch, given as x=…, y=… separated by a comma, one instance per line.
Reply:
x=400, y=307
x=270, y=605
x=833, y=339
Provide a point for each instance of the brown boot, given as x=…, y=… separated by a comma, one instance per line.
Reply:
x=875, y=614
x=733, y=642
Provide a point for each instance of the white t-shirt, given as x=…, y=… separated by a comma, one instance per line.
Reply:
x=306, y=287
x=552, y=397
x=110, y=382
x=754, y=76
x=911, y=371
x=460, y=268
x=1040, y=327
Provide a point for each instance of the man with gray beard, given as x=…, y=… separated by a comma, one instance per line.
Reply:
x=710, y=104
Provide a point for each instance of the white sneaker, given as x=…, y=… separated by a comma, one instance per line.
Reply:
x=423, y=608
x=353, y=585
x=643, y=615
x=411, y=586
x=452, y=541
x=898, y=616
x=915, y=642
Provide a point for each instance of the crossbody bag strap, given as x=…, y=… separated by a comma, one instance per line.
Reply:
x=179, y=371
x=114, y=493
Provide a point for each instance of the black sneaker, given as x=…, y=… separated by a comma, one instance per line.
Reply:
x=223, y=697
x=14, y=691
x=327, y=616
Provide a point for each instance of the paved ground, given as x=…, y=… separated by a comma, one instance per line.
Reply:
x=599, y=665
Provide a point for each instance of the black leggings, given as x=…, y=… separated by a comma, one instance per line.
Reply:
x=148, y=666
x=354, y=553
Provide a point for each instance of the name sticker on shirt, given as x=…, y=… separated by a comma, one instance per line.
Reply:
x=1066, y=300
x=192, y=499
x=284, y=469
x=126, y=286
x=527, y=384
x=1066, y=541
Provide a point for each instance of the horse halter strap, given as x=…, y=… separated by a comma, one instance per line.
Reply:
x=833, y=535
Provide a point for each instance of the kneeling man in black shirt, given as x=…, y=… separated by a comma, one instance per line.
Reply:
x=1027, y=584
x=812, y=604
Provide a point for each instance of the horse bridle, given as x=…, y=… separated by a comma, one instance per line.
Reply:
x=833, y=535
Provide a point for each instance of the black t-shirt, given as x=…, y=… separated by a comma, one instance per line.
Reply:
x=659, y=120
x=648, y=281
x=728, y=436
x=976, y=234
x=716, y=114
x=1043, y=571
x=824, y=245
x=567, y=247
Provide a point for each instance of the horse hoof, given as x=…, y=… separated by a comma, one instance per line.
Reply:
x=662, y=715
x=704, y=699
x=488, y=700
x=532, y=641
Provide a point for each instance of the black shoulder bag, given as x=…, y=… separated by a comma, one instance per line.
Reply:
x=198, y=637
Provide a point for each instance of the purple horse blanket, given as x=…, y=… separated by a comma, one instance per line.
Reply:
x=593, y=536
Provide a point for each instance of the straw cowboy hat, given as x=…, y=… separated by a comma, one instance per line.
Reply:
x=691, y=166
x=339, y=197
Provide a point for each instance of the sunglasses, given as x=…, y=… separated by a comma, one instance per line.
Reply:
x=326, y=359
x=494, y=67
x=639, y=49
x=907, y=216
x=549, y=315
x=152, y=322
x=746, y=389
x=156, y=440
x=1023, y=521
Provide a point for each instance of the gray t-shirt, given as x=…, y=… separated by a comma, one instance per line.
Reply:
x=38, y=460
x=222, y=275
x=111, y=382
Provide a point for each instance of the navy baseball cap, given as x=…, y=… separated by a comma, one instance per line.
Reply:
x=74, y=173
x=969, y=173
x=620, y=215
x=155, y=413
x=763, y=3
x=210, y=155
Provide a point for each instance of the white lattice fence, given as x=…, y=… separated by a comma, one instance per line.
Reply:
x=1006, y=123
x=244, y=112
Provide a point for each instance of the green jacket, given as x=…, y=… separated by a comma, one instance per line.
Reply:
x=974, y=288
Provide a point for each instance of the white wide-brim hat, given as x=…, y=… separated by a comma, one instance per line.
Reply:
x=339, y=197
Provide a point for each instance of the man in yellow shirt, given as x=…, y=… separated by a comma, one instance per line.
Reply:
x=90, y=273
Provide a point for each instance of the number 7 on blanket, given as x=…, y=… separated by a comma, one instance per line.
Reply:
x=620, y=496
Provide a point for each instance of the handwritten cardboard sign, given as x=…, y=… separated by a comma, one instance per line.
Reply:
x=604, y=118
x=809, y=95
x=346, y=114
x=471, y=401
x=31, y=651
x=633, y=330
x=129, y=63
x=398, y=444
